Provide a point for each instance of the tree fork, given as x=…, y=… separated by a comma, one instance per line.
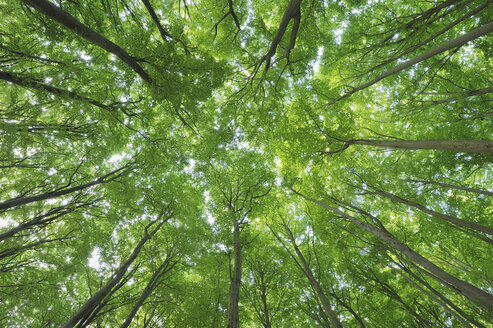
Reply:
x=95, y=299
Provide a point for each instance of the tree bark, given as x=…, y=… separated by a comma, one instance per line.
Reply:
x=263, y=295
x=151, y=285
x=57, y=14
x=445, y=217
x=444, y=306
x=443, y=299
x=435, y=35
x=447, y=185
x=334, y=321
x=234, y=287
x=459, y=146
x=33, y=84
x=57, y=193
x=87, y=309
x=472, y=293
x=474, y=34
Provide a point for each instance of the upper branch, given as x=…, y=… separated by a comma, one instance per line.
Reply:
x=57, y=14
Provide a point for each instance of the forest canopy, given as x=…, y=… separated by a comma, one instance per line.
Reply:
x=246, y=163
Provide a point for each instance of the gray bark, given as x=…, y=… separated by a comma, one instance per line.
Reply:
x=465, y=146
x=233, y=320
x=334, y=321
x=88, y=307
x=57, y=14
x=151, y=285
x=57, y=193
x=472, y=293
x=445, y=217
x=34, y=85
x=447, y=185
x=460, y=41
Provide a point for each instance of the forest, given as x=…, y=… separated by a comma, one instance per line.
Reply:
x=246, y=163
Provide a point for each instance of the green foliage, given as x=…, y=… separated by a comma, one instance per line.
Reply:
x=211, y=145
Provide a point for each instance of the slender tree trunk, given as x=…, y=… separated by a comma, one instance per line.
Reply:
x=464, y=95
x=234, y=288
x=445, y=217
x=45, y=219
x=57, y=193
x=447, y=185
x=54, y=12
x=435, y=35
x=263, y=295
x=218, y=301
x=39, y=220
x=469, y=291
x=444, y=306
x=334, y=321
x=151, y=285
x=460, y=146
x=87, y=309
x=33, y=84
x=443, y=298
x=474, y=34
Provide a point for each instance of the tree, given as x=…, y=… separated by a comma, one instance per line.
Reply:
x=307, y=163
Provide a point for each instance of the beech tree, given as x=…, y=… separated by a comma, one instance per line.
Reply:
x=241, y=163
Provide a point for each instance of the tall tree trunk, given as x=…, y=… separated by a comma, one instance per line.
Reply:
x=435, y=35
x=444, y=306
x=334, y=321
x=57, y=193
x=474, y=34
x=441, y=297
x=218, y=301
x=45, y=219
x=459, y=146
x=445, y=217
x=151, y=285
x=33, y=84
x=263, y=295
x=87, y=309
x=447, y=185
x=234, y=287
x=474, y=294
x=57, y=14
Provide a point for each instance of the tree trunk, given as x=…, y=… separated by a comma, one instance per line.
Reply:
x=54, y=12
x=263, y=295
x=334, y=321
x=474, y=34
x=87, y=309
x=234, y=288
x=469, y=291
x=445, y=217
x=443, y=299
x=44, y=219
x=218, y=301
x=33, y=84
x=444, y=306
x=57, y=193
x=446, y=185
x=460, y=146
x=435, y=35
x=151, y=285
